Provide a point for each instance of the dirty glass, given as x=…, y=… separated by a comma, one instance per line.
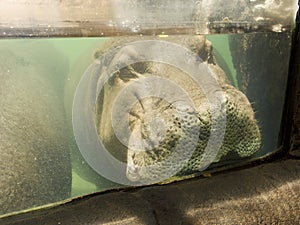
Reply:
x=155, y=92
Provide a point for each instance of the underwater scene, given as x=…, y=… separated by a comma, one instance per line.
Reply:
x=83, y=115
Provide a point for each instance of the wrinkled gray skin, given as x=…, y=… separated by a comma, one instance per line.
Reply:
x=35, y=166
x=242, y=135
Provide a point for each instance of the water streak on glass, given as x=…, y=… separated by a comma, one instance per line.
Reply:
x=117, y=17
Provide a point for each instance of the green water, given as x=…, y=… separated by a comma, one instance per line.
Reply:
x=221, y=45
x=62, y=61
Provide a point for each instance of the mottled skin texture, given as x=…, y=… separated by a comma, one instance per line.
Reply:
x=242, y=135
x=35, y=166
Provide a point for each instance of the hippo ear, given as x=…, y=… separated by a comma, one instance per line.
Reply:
x=97, y=54
x=206, y=53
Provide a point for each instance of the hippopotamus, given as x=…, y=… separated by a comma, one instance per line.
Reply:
x=155, y=126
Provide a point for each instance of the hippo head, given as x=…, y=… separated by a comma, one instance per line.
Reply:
x=157, y=119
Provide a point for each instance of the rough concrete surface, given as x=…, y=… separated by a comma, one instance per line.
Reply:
x=265, y=194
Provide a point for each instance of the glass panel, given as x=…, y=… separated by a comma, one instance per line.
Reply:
x=119, y=17
x=80, y=115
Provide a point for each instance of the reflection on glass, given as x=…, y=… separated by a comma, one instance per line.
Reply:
x=81, y=115
x=40, y=79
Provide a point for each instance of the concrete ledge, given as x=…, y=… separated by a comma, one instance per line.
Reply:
x=265, y=194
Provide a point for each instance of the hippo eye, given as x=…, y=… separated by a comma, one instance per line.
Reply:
x=126, y=74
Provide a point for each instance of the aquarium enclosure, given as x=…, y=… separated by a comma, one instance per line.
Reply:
x=100, y=95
